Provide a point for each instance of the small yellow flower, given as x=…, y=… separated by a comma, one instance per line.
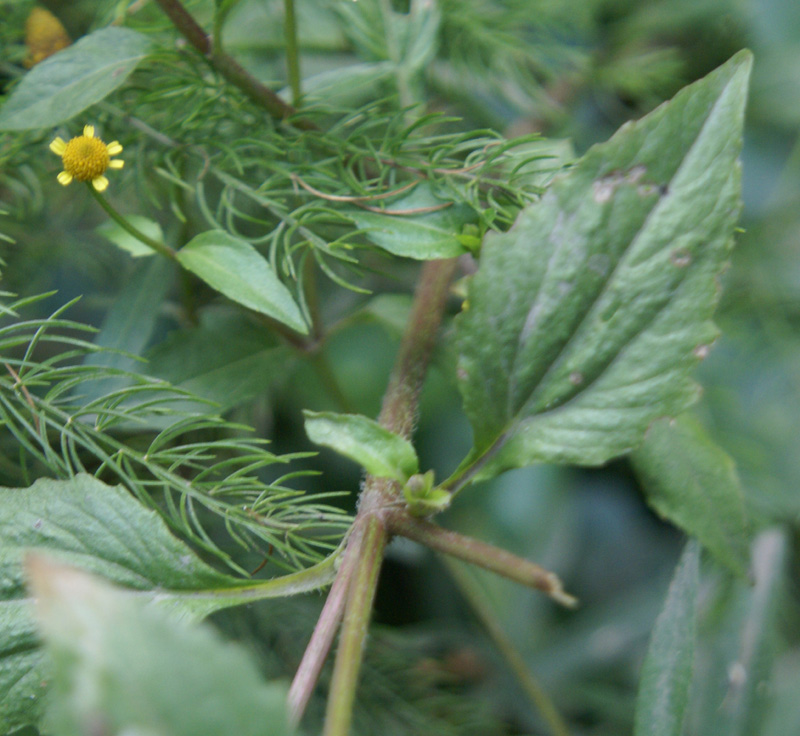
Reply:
x=86, y=158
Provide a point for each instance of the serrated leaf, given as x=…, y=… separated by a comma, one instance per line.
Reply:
x=425, y=235
x=689, y=480
x=585, y=320
x=667, y=669
x=381, y=452
x=237, y=270
x=132, y=669
x=68, y=82
x=125, y=241
x=102, y=529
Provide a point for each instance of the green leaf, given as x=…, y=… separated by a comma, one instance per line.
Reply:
x=102, y=529
x=689, y=480
x=237, y=270
x=743, y=629
x=667, y=669
x=383, y=453
x=131, y=668
x=124, y=240
x=586, y=319
x=225, y=359
x=424, y=236
x=74, y=78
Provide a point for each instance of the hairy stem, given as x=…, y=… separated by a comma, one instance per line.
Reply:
x=479, y=553
x=400, y=403
x=370, y=535
x=529, y=684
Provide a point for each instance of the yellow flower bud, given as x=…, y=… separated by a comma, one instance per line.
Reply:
x=44, y=35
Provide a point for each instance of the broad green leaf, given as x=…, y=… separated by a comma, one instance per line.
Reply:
x=124, y=240
x=237, y=270
x=586, y=319
x=414, y=232
x=383, y=453
x=690, y=481
x=102, y=529
x=133, y=669
x=226, y=359
x=667, y=669
x=74, y=78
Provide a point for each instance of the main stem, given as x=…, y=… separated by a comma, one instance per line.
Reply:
x=370, y=535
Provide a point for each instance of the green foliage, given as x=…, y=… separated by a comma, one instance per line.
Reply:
x=381, y=453
x=428, y=235
x=608, y=285
x=235, y=268
x=102, y=529
x=667, y=669
x=76, y=78
x=131, y=668
x=134, y=421
x=692, y=482
x=123, y=239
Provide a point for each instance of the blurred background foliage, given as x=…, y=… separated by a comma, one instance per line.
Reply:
x=572, y=72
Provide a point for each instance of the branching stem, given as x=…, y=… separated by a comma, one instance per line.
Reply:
x=228, y=67
x=480, y=553
x=370, y=536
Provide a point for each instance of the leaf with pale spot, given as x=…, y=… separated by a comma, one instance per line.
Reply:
x=585, y=320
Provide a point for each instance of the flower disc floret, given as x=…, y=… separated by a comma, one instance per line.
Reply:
x=86, y=158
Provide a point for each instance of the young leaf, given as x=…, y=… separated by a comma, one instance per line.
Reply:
x=585, y=320
x=667, y=669
x=102, y=529
x=425, y=235
x=123, y=667
x=125, y=241
x=383, y=453
x=692, y=482
x=73, y=79
x=237, y=270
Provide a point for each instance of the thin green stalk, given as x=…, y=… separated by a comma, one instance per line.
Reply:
x=530, y=685
x=371, y=544
x=161, y=248
x=292, y=52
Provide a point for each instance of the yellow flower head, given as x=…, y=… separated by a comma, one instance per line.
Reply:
x=86, y=158
x=44, y=35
